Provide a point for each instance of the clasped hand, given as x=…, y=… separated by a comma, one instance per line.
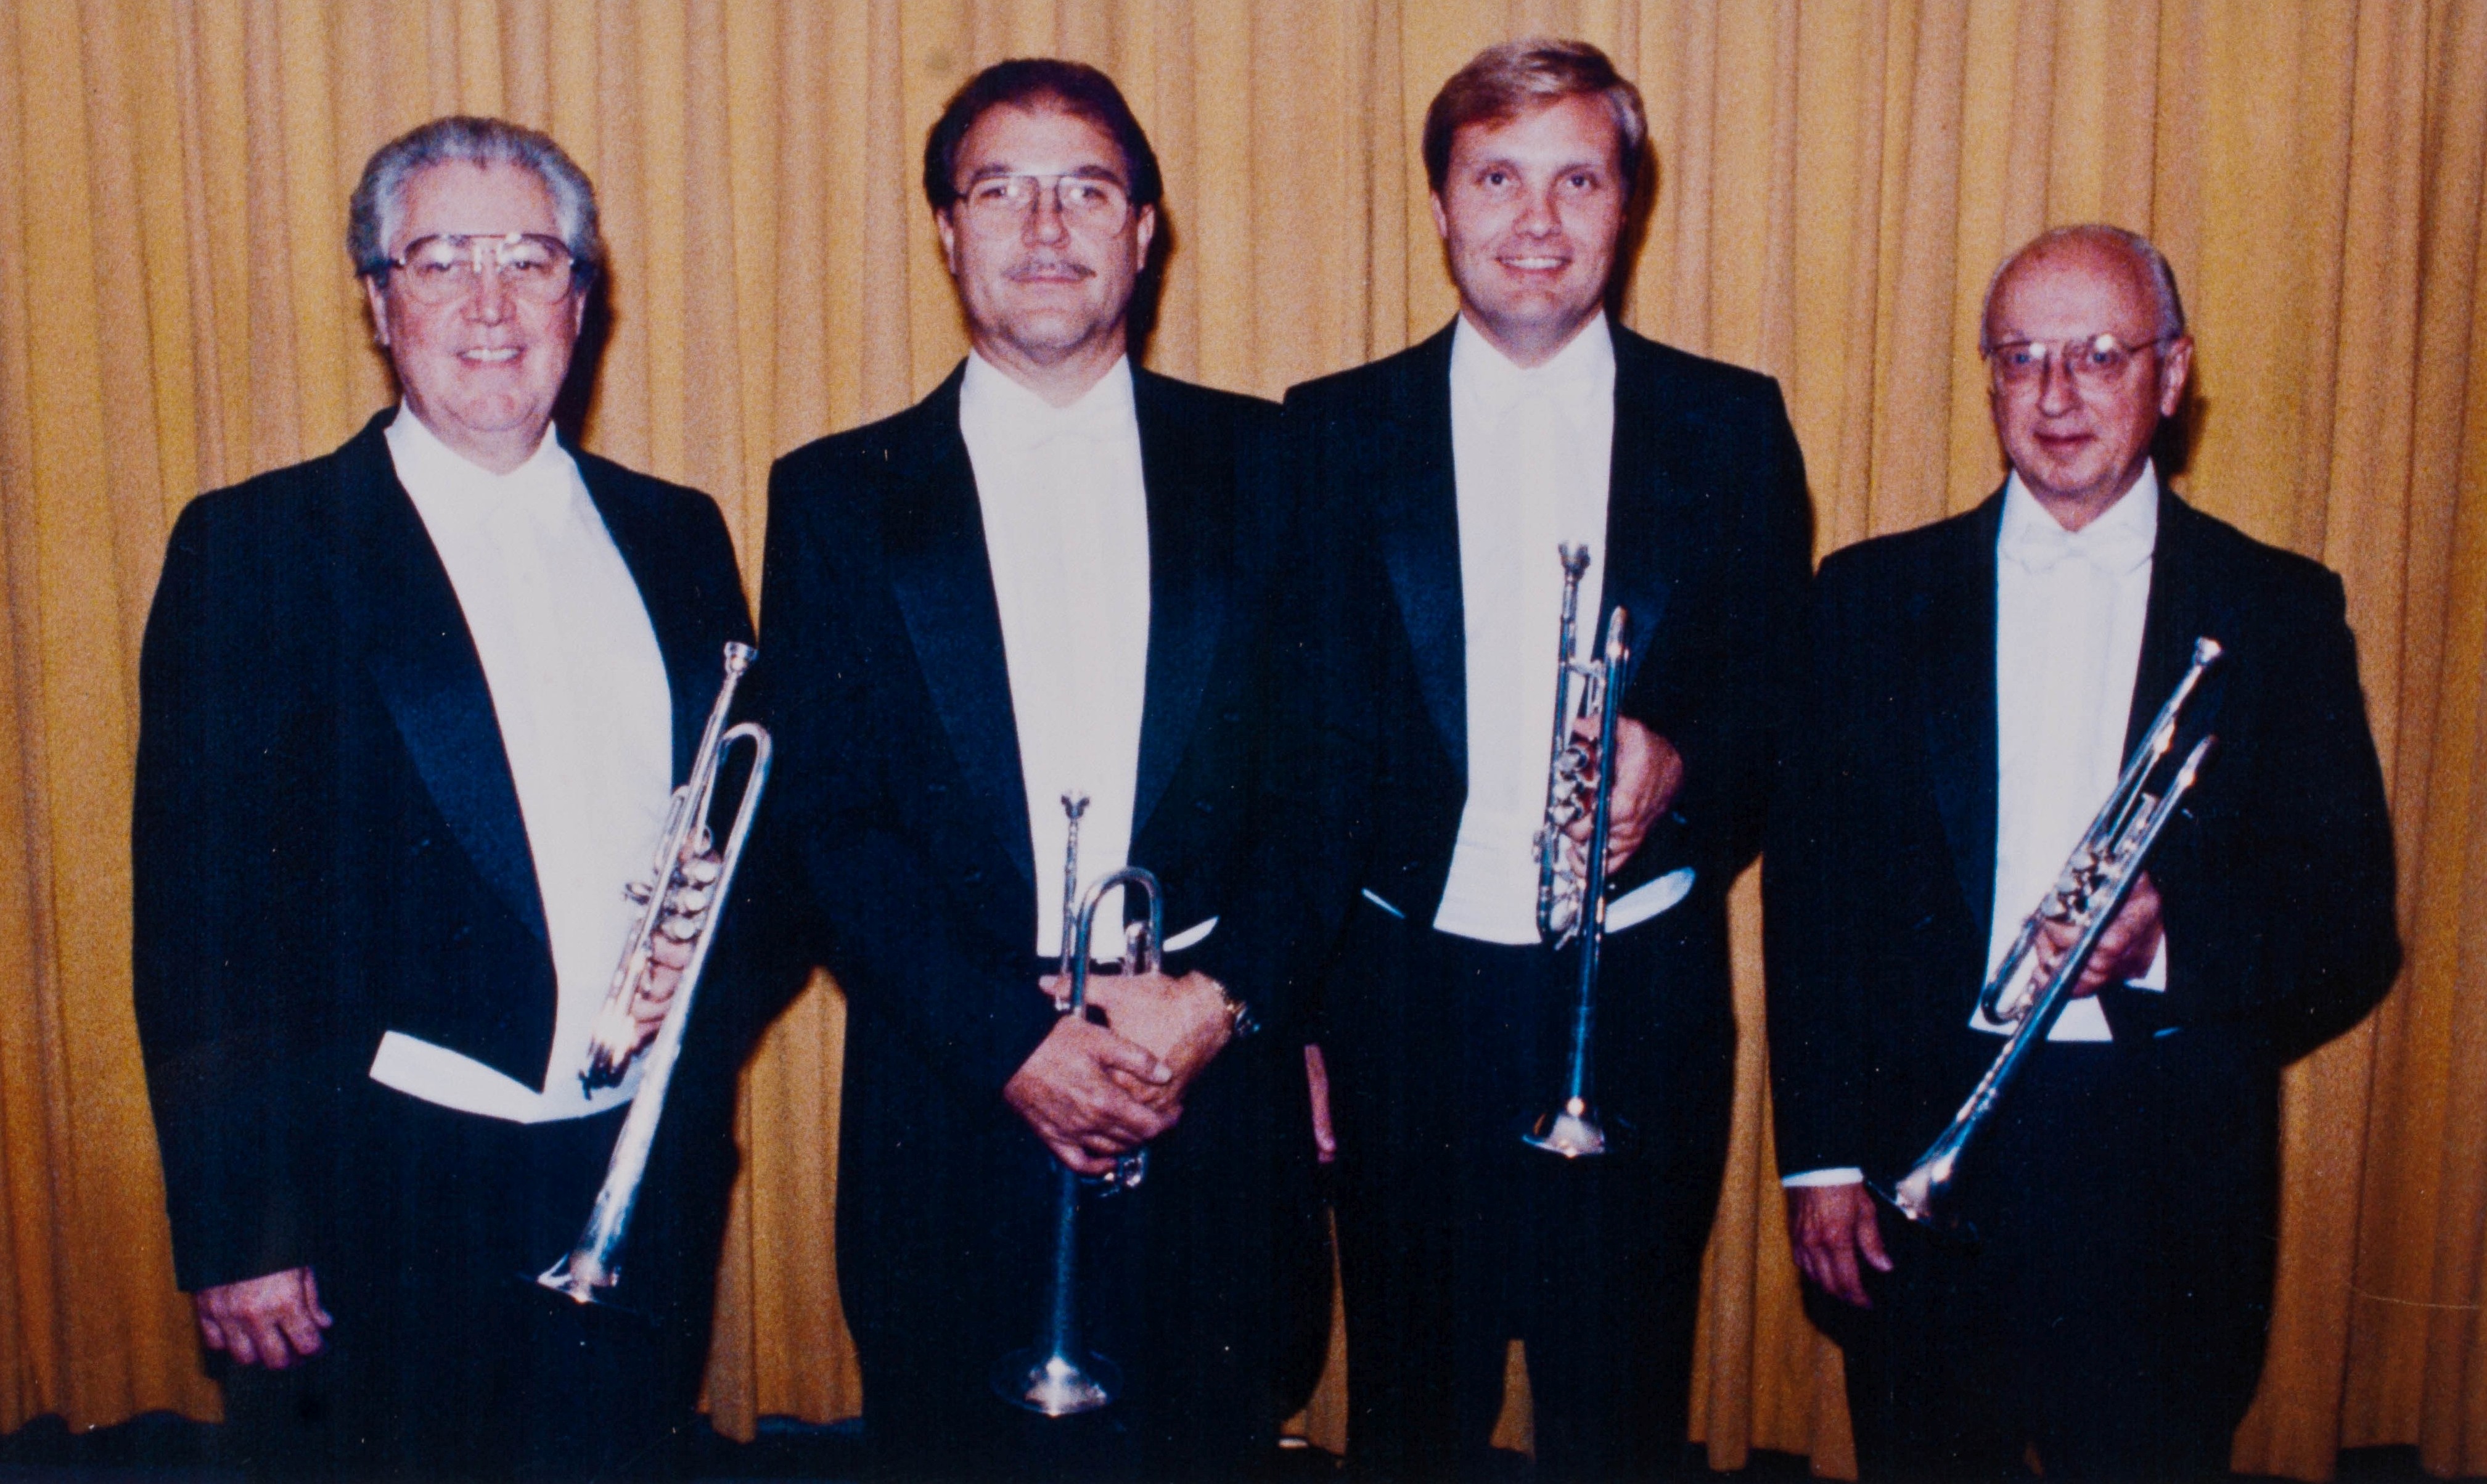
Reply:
x=1093, y=1091
x=668, y=954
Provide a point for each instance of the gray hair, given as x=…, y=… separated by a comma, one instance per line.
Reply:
x=2133, y=245
x=379, y=201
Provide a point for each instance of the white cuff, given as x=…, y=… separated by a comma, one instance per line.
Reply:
x=2155, y=978
x=1644, y=901
x=1845, y=1174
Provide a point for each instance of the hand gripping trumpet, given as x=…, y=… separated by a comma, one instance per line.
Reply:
x=1572, y=898
x=684, y=900
x=1058, y=1377
x=2097, y=878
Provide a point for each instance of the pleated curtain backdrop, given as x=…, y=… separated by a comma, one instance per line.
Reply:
x=1836, y=180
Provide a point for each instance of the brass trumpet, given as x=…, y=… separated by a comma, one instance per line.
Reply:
x=1572, y=899
x=685, y=901
x=2097, y=878
x=1058, y=1377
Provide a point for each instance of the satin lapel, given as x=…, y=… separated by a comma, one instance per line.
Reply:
x=2185, y=604
x=1956, y=692
x=1192, y=504
x=1417, y=510
x=399, y=613
x=934, y=537
x=1649, y=515
x=694, y=667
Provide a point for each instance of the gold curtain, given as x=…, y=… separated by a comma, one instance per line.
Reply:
x=1837, y=179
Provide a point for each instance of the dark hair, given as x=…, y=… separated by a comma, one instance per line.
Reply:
x=1074, y=88
x=1500, y=82
x=371, y=218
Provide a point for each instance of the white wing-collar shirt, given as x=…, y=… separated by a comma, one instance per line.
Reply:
x=586, y=720
x=1066, y=517
x=2069, y=608
x=1531, y=449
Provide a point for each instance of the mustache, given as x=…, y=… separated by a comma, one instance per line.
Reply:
x=1047, y=267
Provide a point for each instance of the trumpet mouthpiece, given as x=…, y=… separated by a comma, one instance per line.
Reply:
x=2206, y=649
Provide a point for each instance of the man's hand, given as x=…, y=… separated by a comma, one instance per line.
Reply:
x=1649, y=773
x=1317, y=1080
x=2124, y=950
x=669, y=948
x=263, y=1321
x=1829, y=1226
x=1184, y=1022
x=1071, y=1091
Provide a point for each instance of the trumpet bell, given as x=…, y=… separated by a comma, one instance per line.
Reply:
x=1572, y=1130
x=1057, y=1384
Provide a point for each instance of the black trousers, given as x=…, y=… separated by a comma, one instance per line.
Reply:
x=2083, y=1322
x=1456, y=1237
x=446, y=1361
x=945, y=1234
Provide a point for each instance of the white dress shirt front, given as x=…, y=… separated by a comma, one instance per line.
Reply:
x=1531, y=452
x=586, y=720
x=1066, y=517
x=2069, y=608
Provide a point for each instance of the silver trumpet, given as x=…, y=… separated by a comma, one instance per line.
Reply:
x=1572, y=894
x=684, y=900
x=2097, y=878
x=1058, y=1377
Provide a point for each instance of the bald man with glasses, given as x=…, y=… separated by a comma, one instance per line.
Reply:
x=1976, y=687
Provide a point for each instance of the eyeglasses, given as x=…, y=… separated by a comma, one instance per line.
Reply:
x=446, y=268
x=1091, y=201
x=2093, y=364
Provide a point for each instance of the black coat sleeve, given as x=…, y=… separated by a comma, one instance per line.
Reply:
x=227, y=1010
x=1812, y=869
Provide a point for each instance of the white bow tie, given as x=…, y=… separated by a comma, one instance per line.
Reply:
x=2114, y=549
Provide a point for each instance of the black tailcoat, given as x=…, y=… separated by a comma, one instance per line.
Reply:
x=901, y=861
x=1707, y=542
x=2277, y=880
x=327, y=846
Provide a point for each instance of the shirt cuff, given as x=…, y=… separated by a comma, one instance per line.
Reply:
x=1845, y=1174
x=2155, y=978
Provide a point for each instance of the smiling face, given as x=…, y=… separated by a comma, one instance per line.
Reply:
x=1530, y=212
x=2079, y=449
x=483, y=370
x=1045, y=295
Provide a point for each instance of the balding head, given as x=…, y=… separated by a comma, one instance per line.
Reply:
x=2100, y=243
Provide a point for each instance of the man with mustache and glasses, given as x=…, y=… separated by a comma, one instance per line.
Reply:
x=1437, y=486
x=409, y=717
x=1978, y=686
x=1045, y=579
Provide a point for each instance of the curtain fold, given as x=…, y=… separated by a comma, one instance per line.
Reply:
x=1835, y=181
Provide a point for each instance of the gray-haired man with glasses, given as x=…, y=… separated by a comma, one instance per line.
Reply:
x=1976, y=688
x=410, y=714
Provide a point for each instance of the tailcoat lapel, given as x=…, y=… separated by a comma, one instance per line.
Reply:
x=1956, y=687
x=1190, y=506
x=1417, y=507
x=2186, y=604
x=1648, y=505
x=695, y=659
x=933, y=538
x=399, y=613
